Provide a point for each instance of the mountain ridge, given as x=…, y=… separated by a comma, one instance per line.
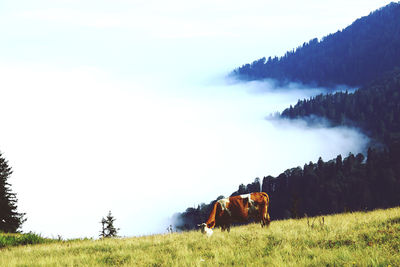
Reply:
x=359, y=53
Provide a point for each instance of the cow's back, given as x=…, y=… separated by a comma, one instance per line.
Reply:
x=239, y=207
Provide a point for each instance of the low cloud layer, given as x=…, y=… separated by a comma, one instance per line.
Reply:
x=104, y=111
x=82, y=143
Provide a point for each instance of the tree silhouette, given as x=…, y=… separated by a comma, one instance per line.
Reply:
x=107, y=226
x=10, y=219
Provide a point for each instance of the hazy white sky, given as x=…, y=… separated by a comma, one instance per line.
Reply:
x=113, y=105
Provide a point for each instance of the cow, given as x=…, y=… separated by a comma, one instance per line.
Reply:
x=242, y=208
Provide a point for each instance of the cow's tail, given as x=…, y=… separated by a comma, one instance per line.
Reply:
x=211, y=219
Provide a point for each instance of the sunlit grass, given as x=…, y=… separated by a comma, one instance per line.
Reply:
x=8, y=240
x=352, y=239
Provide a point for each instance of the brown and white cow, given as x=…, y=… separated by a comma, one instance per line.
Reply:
x=241, y=208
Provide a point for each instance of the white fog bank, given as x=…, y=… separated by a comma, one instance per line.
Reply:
x=82, y=143
x=122, y=105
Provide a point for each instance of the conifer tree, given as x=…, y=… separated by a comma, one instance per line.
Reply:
x=10, y=219
x=108, y=229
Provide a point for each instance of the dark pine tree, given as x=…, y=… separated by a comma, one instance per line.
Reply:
x=108, y=229
x=10, y=219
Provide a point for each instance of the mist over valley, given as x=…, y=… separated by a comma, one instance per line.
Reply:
x=115, y=110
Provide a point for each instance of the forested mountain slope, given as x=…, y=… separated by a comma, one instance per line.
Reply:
x=374, y=108
x=354, y=56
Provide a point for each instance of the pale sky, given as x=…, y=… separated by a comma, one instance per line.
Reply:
x=123, y=106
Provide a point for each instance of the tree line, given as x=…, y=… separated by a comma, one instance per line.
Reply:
x=375, y=108
x=339, y=185
x=363, y=51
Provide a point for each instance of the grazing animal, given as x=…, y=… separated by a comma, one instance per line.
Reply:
x=241, y=208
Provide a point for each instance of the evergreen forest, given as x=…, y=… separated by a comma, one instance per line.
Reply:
x=353, y=56
x=340, y=185
x=374, y=108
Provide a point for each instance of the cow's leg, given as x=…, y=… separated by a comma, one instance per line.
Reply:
x=229, y=228
x=265, y=219
x=261, y=215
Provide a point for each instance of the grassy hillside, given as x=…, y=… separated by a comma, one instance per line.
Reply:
x=353, y=239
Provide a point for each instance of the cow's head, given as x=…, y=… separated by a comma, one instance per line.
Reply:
x=205, y=229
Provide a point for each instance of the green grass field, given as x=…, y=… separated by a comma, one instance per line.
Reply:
x=9, y=240
x=352, y=239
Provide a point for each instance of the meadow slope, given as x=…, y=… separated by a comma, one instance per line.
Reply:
x=351, y=239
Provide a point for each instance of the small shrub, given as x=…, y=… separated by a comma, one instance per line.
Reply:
x=9, y=240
